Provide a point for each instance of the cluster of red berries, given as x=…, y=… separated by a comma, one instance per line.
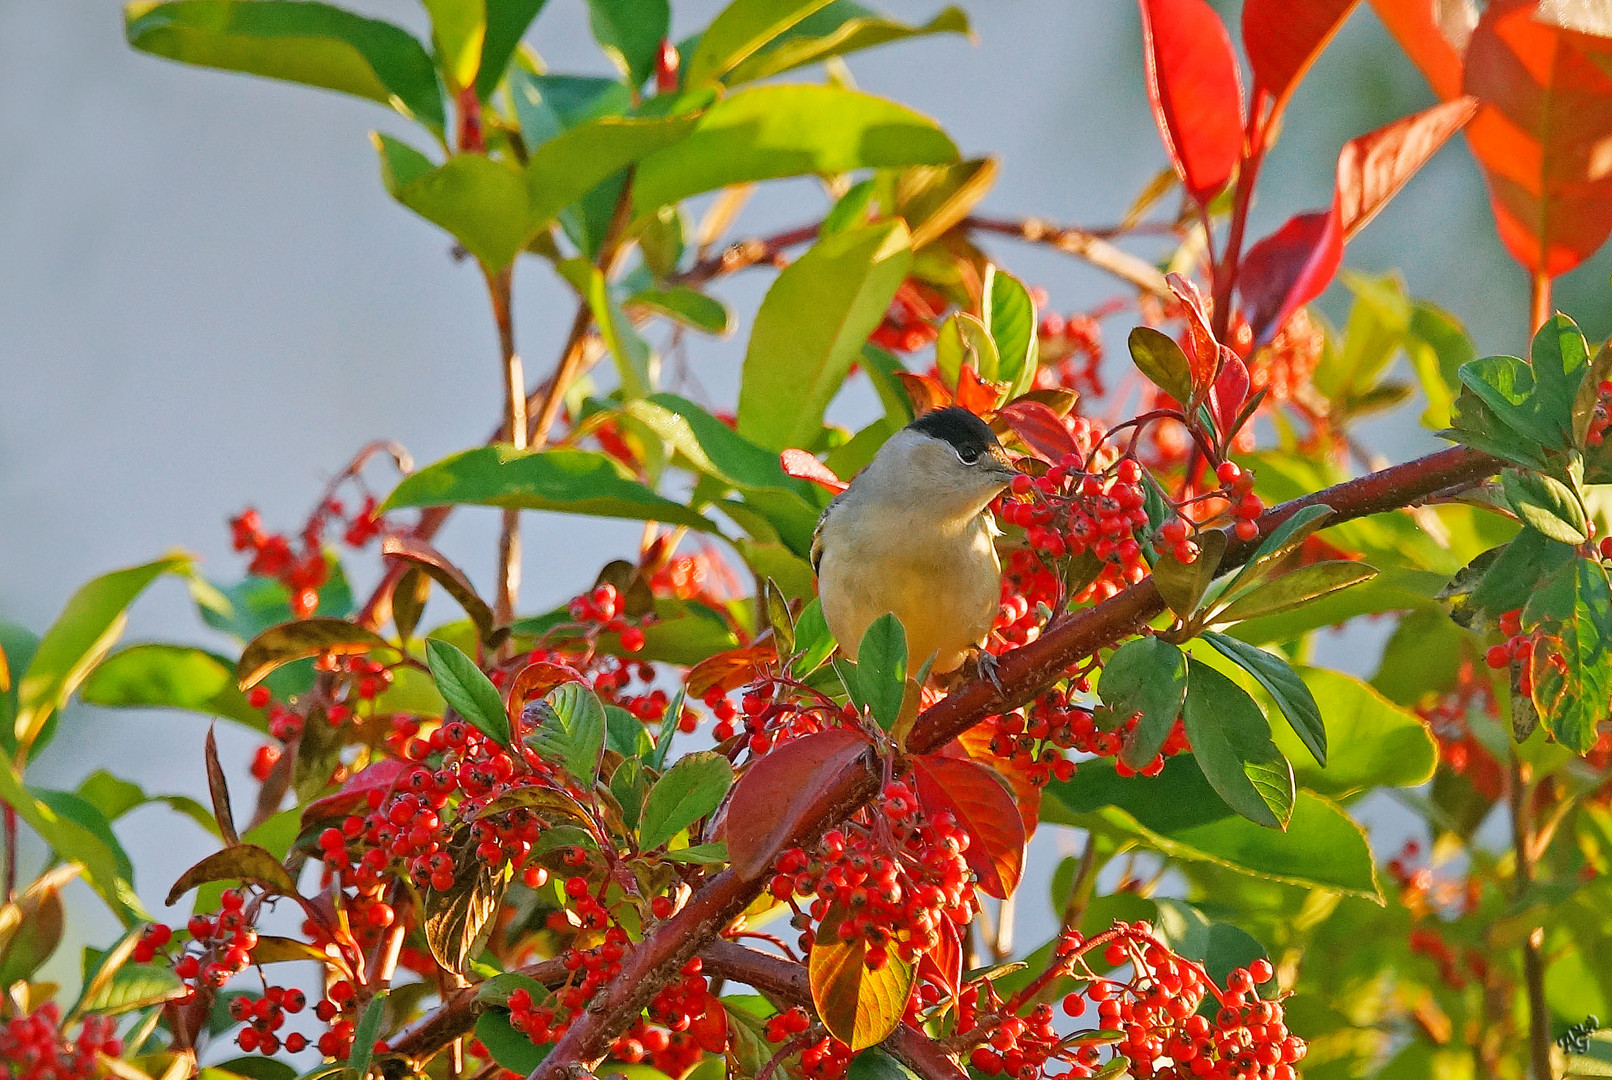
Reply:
x=910, y=322
x=604, y=609
x=892, y=880
x=220, y=945
x=33, y=1047
x=1164, y=1034
x=358, y=679
x=1459, y=748
x=1518, y=649
x=1428, y=897
x=1238, y=485
x=1071, y=354
x=1076, y=512
x=771, y=712
x=303, y=569
x=265, y=1015
x=1067, y=726
x=825, y=1059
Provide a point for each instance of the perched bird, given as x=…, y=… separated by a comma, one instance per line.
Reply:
x=913, y=535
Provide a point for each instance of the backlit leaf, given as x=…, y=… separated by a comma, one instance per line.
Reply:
x=162, y=676
x=983, y=806
x=1010, y=316
x=459, y=920
x=739, y=31
x=1195, y=90
x=784, y=793
x=1283, y=40
x=421, y=556
x=1296, y=588
x=630, y=33
x=1183, y=584
x=1289, y=268
x=881, y=669
x=571, y=731
x=859, y=1007
x=1373, y=167
x=1572, y=661
x=839, y=29
x=299, y=640
x=242, y=862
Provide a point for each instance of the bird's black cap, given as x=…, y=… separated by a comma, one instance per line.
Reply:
x=968, y=434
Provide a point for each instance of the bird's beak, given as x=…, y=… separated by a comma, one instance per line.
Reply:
x=1003, y=466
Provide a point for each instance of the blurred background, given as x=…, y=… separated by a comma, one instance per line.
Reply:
x=208, y=301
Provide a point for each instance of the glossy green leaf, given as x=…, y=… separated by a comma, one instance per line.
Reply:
x=311, y=43
x=881, y=669
x=874, y=1064
x=1535, y=400
x=626, y=734
x=739, y=30
x=160, y=676
x=1285, y=687
x=458, y=28
x=1473, y=423
x=682, y=304
x=1219, y=947
x=1572, y=661
x=469, y=692
x=1375, y=743
x=1282, y=541
x=843, y=27
x=713, y=854
x=1295, y=589
x=1546, y=505
x=136, y=986
x=963, y=341
x=1178, y=814
x=1183, y=585
x=1010, y=316
x=1231, y=741
x=510, y=1048
x=765, y=132
x=813, y=641
x=1503, y=579
x=1164, y=363
x=78, y=833
x=571, y=731
x=691, y=789
x=810, y=329
x=80, y=637
x=548, y=105
x=1146, y=676
x=566, y=480
x=507, y=21
x=568, y=166
x=630, y=33
x=482, y=203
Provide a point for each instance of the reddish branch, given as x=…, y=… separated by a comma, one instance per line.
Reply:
x=1023, y=673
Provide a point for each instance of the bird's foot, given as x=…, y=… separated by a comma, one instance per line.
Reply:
x=985, y=667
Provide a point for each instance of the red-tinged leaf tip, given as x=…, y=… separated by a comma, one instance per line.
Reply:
x=803, y=466
x=1288, y=269
x=1540, y=137
x=535, y=681
x=1434, y=36
x=727, y=671
x=1283, y=39
x=381, y=776
x=1040, y=428
x=1204, y=356
x=783, y=793
x=978, y=395
x=1373, y=167
x=1230, y=389
x=980, y=802
x=1196, y=91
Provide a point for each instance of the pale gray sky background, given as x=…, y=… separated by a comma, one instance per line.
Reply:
x=208, y=300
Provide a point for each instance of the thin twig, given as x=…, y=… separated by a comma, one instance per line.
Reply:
x=499, y=291
x=1533, y=954
x=1082, y=244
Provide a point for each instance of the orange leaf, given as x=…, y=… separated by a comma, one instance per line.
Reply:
x=978, y=395
x=1283, y=39
x=536, y=680
x=925, y=392
x=976, y=743
x=1372, y=168
x=804, y=466
x=1204, y=355
x=859, y=1007
x=1196, y=92
x=784, y=793
x=1040, y=429
x=1433, y=48
x=1542, y=137
x=978, y=798
x=732, y=669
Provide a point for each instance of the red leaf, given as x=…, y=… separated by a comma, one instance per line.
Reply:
x=1372, y=168
x=783, y=793
x=730, y=670
x=1288, y=269
x=1283, y=39
x=1204, y=355
x=978, y=798
x=803, y=466
x=1196, y=91
x=534, y=681
x=978, y=395
x=381, y=776
x=943, y=965
x=1230, y=390
x=976, y=743
x=1542, y=137
x=1040, y=428
x=926, y=394
x=710, y=1030
x=1435, y=49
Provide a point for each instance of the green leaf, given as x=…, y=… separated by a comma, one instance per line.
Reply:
x=718, y=451
x=810, y=329
x=548, y=105
x=813, y=641
x=1282, y=541
x=508, y=1047
x=1146, y=676
x=136, y=986
x=1010, y=317
x=1178, y=814
x=565, y=480
x=565, y=168
x=458, y=28
x=626, y=734
x=571, y=731
x=1437, y=346
x=1503, y=579
x=309, y=43
x=739, y=31
x=240, y=862
x=765, y=132
x=1572, y=660
x=1295, y=589
x=1285, y=687
x=114, y=797
x=1231, y=740
x=160, y=676
x=1219, y=947
x=881, y=669
x=839, y=29
x=78, y=833
x=714, y=854
x=630, y=33
x=80, y=637
x=252, y=605
x=1545, y=504
x=368, y=1031
x=507, y=21
x=684, y=305
x=874, y=1064
x=1375, y=743
x=471, y=694
x=18, y=643
x=690, y=790
x=1183, y=585
x=1159, y=357
x=481, y=202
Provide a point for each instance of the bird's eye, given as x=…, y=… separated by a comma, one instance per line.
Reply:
x=968, y=456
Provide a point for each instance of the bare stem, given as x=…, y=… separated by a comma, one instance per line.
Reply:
x=1082, y=244
x=1538, y=300
x=1533, y=953
x=500, y=292
x=11, y=852
x=1226, y=272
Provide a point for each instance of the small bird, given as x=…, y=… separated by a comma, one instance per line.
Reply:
x=913, y=535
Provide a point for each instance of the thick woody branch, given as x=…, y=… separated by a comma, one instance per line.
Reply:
x=1023, y=673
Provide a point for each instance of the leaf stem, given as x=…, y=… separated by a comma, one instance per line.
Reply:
x=1539, y=289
